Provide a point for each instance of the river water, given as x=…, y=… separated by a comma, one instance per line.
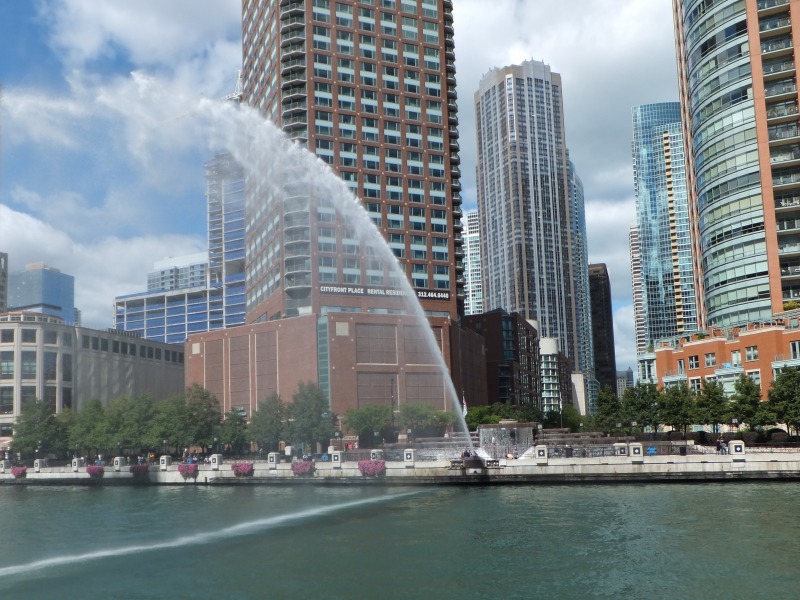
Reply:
x=734, y=540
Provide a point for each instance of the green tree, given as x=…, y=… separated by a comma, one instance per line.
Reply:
x=424, y=419
x=204, y=414
x=234, y=432
x=268, y=424
x=310, y=418
x=713, y=406
x=89, y=429
x=37, y=430
x=369, y=419
x=677, y=407
x=481, y=415
x=784, y=398
x=608, y=410
x=640, y=405
x=747, y=407
x=172, y=427
x=130, y=422
x=571, y=418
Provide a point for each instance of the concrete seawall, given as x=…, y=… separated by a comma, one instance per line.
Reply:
x=611, y=469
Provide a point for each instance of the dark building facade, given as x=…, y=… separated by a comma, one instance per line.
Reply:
x=512, y=357
x=605, y=361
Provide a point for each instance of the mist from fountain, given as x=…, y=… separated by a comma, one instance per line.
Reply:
x=260, y=147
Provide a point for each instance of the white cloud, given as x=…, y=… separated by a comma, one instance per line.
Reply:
x=625, y=338
x=148, y=33
x=110, y=267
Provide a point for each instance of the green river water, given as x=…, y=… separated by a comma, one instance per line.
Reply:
x=733, y=540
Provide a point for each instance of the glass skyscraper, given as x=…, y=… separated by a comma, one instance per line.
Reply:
x=666, y=279
x=199, y=292
x=43, y=289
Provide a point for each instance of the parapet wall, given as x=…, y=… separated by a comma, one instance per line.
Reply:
x=631, y=464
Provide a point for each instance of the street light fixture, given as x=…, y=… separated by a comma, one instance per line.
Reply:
x=391, y=401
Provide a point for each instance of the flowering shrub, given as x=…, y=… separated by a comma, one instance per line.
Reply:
x=140, y=470
x=19, y=472
x=302, y=467
x=95, y=471
x=188, y=470
x=372, y=468
x=244, y=469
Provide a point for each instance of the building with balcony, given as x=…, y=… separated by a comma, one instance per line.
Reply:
x=369, y=90
x=738, y=91
x=759, y=350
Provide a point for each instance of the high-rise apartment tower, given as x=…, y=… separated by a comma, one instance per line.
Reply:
x=738, y=91
x=473, y=304
x=369, y=87
x=524, y=200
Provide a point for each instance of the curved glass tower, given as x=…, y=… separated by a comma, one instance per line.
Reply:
x=736, y=65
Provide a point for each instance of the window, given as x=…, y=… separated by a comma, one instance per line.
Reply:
x=6, y=336
x=751, y=353
x=6, y=400
x=681, y=366
x=711, y=359
x=7, y=364
x=28, y=336
x=29, y=364
x=736, y=358
x=696, y=384
x=794, y=347
x=50, y=362
x=694, y=362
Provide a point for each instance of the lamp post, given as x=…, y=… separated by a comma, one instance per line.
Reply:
x=216, y=446
x=391, y=401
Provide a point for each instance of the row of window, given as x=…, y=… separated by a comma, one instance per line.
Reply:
x=28, y=365
x=30, y=336
x=710, y=358
x=93, y=342
x=428, y=7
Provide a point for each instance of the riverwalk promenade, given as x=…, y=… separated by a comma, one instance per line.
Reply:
x=630, y=463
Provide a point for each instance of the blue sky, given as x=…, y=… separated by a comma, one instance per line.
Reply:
x=101, y=171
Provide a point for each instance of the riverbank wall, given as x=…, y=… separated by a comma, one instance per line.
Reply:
x=630, y=465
